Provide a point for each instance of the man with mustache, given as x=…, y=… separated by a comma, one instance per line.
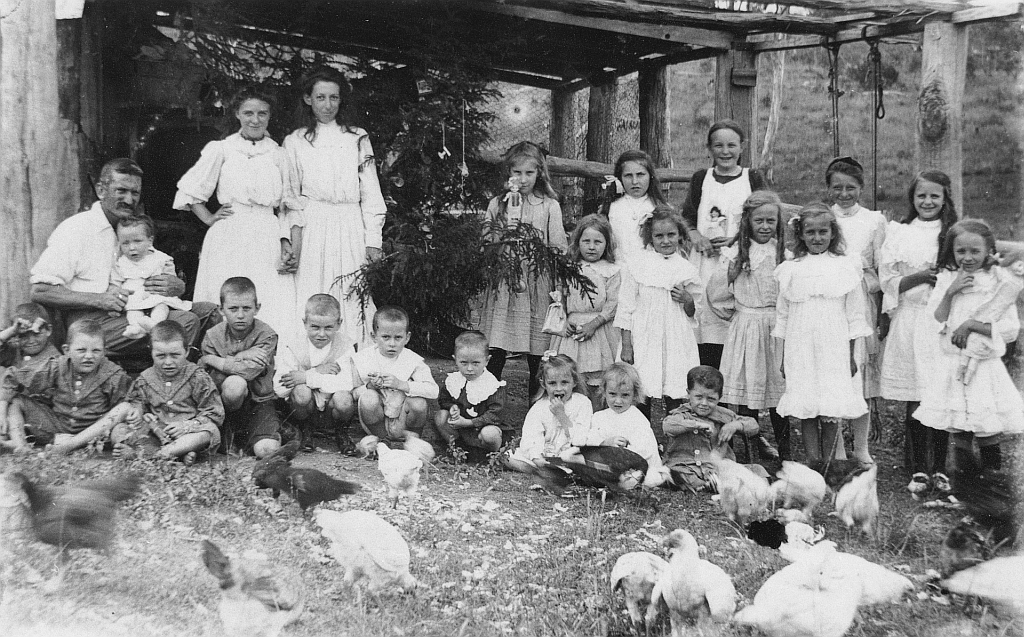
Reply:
x=73, y=273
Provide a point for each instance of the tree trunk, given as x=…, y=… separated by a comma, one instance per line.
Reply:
x=600, y=124
x=777, y=63
x=656, y=116
x=31, y=177
x=736, y=95
x=565, y=121
x=940, y=103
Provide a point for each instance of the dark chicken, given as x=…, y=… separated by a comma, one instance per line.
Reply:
x=614, y=468
x=307, y=486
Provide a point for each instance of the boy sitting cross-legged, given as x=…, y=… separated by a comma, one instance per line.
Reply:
x=472, y=399
x=24, y=347
x=75, y=399
x=314, y=372
x=701, y=426
x=239, y=355
x=392, y=383
x=175, y=407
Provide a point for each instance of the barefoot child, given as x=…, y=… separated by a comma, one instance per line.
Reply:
x=24, y=347
x=239, y=356
x=559, y=420
x=139, y=260
x=989, y=405
x=75, y=399
x=175, y=407
x=700, y=427
x=819, y=315
x=392, y=383
x=472, y=399
x=314, y=372
x=590, y=338
x=621, y=424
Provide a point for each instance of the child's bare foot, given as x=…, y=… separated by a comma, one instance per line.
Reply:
x=134, y=332
x=127, y=452
x=59, y=450
x=146, y=323
x=189, y=459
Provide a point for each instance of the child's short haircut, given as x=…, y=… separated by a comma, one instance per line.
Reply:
x=323, y=305
x=472, y=339
x=620, y=374
x=86, y=327
x=168, y=331
x=238, y=285
x=390, y=314
x=30, y=312
x=139, y=221
x=705, y=376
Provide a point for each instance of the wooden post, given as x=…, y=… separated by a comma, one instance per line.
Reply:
x=69, y=90
x=655, y=115
x=30, y=136
x=940, y=103
x=600, y=124
x=736, y=95
x=565, y=121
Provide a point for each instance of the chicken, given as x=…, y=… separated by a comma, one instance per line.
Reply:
x=744, y=494
x=691, y=586
x=798, y=486
x=256, y=598
x=857, y=500
x=836, y=470
x=770, y=533
x=367, y=547
x=996, y=581
x=76, y=516
x=307, y=486
x=614, y=468
x=419, y=446
x=879, y=585
x=809, y=598
x=401, y=471
x=635, y=574
x=966, y=544
x=367, y=446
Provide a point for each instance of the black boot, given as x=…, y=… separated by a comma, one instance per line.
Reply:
x=780, y=427
x=343, y=440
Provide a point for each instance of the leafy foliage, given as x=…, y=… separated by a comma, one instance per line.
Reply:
x=438, y=269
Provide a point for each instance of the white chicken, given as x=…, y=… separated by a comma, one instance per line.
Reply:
x=367, y=548
x=809, y=598
x=691, y=586
x=256, y=599
x=635, y=574
x=996, y=581
x=798, y=487
x=419, y=446
x=857, y=500
x=744, y=494
x=401, y=471
x=367, y=446
x=879, y=585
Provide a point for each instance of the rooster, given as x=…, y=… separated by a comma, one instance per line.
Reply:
x=691, y=586
x=614, y=468
x=307, y=486
x=79, y=516
x=635, y=574
x=367, y=547
x=256, y=599
x=857, y=500
x=401, y=471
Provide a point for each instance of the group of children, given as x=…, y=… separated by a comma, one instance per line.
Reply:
x=782, y=315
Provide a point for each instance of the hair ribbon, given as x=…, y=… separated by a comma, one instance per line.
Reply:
x=612, y=179
x=548, y=355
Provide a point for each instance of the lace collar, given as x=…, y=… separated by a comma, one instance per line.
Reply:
x=477, y=390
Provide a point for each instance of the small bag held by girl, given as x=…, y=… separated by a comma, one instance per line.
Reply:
x=554, y=322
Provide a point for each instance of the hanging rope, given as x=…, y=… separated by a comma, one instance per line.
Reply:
x=878, y=105
x=833, y=92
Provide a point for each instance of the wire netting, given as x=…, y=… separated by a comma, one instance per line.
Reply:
x=524, y=114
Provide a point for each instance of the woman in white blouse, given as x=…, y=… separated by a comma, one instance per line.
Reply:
x=333, y=182
x=246, y=238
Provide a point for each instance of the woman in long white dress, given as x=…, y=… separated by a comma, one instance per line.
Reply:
x=245, y=238
x=332, y=181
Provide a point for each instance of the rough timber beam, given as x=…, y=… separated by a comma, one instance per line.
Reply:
x=671, y=58
x=663, y=33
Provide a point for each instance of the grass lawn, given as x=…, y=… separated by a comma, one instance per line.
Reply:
x=493, y=557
